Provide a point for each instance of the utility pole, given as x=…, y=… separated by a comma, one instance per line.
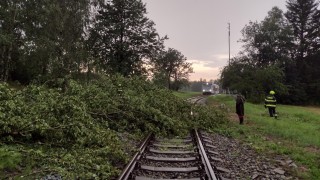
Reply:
x=229, y=40
x=228, y=92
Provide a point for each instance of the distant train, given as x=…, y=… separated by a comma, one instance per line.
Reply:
x=210, y=88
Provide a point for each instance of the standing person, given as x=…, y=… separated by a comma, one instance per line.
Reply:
x=270, y=102
x=240, y=107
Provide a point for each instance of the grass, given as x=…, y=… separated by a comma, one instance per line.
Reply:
x=296, y=132
x=9, y=158
x=186, y=94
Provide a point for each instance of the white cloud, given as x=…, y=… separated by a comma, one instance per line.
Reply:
x=221, y=56
x=214, y=60
x=202, y=70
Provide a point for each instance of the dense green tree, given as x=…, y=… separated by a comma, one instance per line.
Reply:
x=122, y=37
x=196, y=86
x=55, y=35
x=11, y=32
x=283, y=49
x=171, y=68
x=268, y=42
x=253, y=82
x=41, y=38
x=304, y=18
x=261, y=65
x=312, y=79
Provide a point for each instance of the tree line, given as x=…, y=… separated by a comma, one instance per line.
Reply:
x=41, y=40
x=281, y=53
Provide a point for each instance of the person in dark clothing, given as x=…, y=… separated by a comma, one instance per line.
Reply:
x=240, y=107
x=270, y=102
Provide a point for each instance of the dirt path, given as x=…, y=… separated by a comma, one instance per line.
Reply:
x=313, y=109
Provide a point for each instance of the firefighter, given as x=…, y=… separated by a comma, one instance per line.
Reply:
x=270, y=102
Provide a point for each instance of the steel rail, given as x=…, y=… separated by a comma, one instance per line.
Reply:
x=131, y=165
x=204, y=157
x=196, y=99
x=199, y=98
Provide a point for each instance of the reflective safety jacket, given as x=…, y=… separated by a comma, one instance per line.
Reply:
x=270, y=101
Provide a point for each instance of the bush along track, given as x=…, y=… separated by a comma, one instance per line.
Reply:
x=73, y=130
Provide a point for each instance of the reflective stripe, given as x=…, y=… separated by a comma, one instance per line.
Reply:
x=270, y=101
x=271, y=105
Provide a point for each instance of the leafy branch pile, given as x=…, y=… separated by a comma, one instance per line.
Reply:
x=72, y=129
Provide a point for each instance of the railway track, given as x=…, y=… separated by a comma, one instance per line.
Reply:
x=199, y=156
x=178, y=158
x=197, y=100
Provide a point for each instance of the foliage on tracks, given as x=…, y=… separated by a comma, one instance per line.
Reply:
x=71, y=128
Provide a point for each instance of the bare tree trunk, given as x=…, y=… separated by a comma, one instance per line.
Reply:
x=168, y=81
x=2, y=63
x=7, y=61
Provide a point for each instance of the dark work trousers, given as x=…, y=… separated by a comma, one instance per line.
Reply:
x=272, y=111
x=241, y=119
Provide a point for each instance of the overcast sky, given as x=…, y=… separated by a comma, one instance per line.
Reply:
x=198, y=28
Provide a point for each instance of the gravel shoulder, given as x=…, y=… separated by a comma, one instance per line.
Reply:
x=240, y=161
